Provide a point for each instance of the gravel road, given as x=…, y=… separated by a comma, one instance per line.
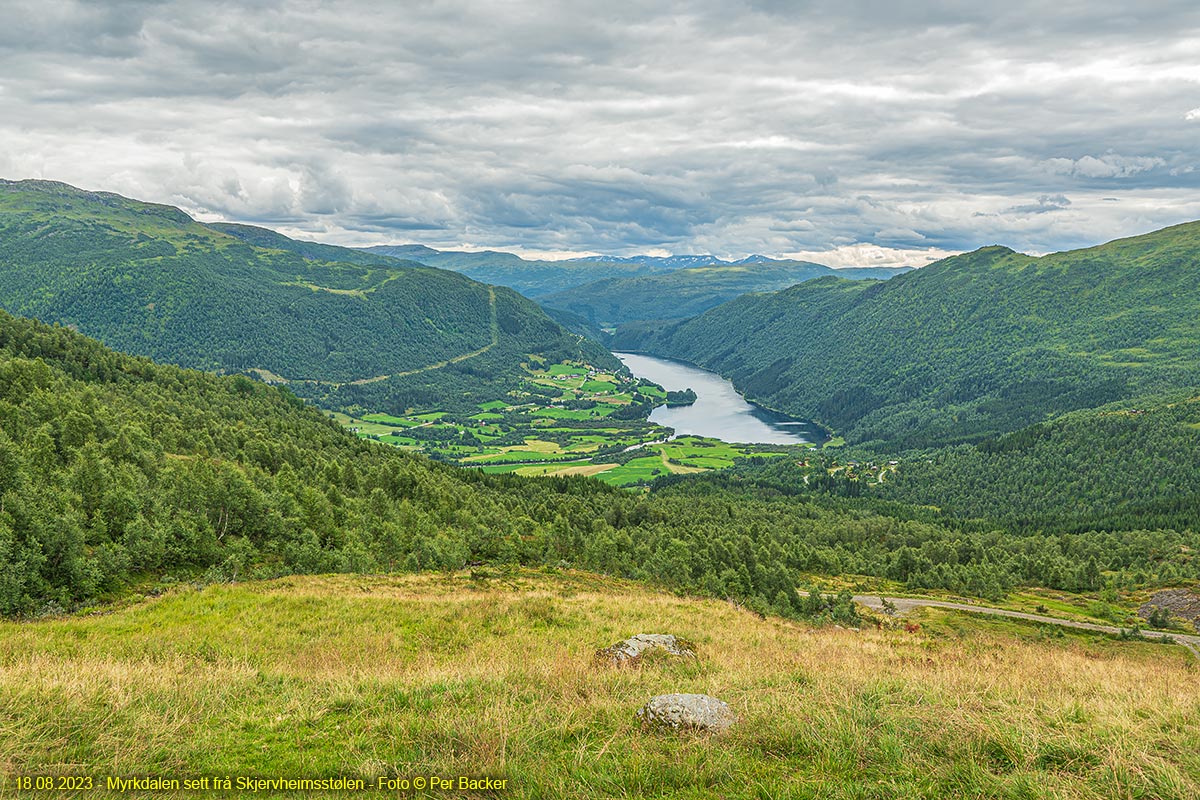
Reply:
x=904, y=604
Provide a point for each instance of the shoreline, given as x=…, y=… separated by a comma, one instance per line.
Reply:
x=785, y=418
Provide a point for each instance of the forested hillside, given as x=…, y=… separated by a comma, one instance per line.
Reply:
x=966, y=348
x=687, y=292
x=1124, y=467
x=1121, y=468
x=147, y=279
x=116, y=472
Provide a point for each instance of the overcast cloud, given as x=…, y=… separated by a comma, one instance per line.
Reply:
x=843, y=132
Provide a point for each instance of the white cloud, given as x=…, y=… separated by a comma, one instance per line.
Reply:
x=1192, y=115
x=865, y=255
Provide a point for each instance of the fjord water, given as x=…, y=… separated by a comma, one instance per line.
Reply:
x=719, y=411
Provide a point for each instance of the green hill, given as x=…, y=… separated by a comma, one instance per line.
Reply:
x=1124, y=467
x=969, y=347
x=1129, y=466
x=688, y=292
x=340, y=325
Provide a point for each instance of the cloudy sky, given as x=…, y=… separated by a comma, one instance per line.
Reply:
x=848, y=132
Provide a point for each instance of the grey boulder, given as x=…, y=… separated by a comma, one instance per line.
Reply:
x=635, y=648
x=697, y=712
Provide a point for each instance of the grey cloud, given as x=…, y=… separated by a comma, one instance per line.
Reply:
x=728, y=127
x=1046, y=203
x=323, y=191
x=109, y=29
x=387, y=223
x=1109, y=165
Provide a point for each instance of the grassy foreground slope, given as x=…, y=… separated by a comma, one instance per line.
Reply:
x=459, y=675
x=968, y=347
x=688, y=292
x=147, y=279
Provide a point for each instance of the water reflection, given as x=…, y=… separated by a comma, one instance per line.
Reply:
x=719, y=411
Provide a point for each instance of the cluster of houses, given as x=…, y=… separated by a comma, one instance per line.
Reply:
x=591, y=373
x=856, y=469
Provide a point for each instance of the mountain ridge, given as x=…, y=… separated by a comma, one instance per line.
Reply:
x=686, y=292
x=970, y=346
x=150, y=280
x=539, y=279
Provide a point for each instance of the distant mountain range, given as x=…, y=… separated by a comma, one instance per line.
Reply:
x=686, y=292
x=531, y=278
x=656, y=262
x=610, y=290
x=683, y=262
x=539, y=278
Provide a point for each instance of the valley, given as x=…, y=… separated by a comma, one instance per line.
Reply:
x=569, y=419
x=973, y=346
x=481, y=380
x=394, y=437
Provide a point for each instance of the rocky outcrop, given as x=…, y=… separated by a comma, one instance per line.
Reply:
x=683, y=712
x=631, y=651
x=1182, y=603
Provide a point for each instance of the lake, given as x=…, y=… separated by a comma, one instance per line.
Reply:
x=719, y=411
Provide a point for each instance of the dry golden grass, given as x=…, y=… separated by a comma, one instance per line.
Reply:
x=584, y=469
x=447, y=675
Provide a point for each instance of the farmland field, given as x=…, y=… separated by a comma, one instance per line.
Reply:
x=568, y=419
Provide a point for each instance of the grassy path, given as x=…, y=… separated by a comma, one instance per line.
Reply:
x=495, y=341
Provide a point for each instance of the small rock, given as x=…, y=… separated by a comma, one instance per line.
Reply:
x=632, y=650
x=688, y=712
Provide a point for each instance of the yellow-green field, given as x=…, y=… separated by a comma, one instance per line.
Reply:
x=455, y=675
